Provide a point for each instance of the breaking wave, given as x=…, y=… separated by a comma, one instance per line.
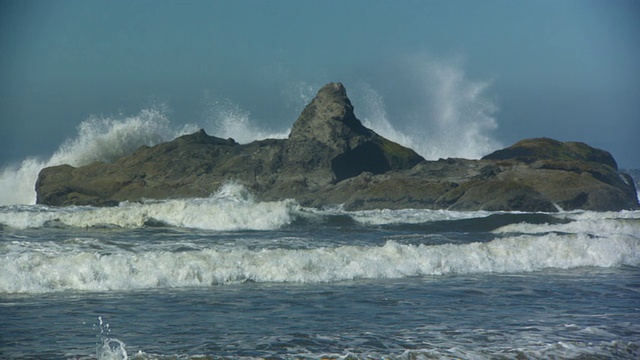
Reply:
x=625, y=223
x=227, y=120
x=55, y=268
x=442, y=114
x=98, y=139
x=446, y=115
x=520, y=242
x=232, y=207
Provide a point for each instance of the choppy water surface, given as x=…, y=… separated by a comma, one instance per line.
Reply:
x=228, y=277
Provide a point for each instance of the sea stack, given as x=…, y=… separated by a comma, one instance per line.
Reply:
x=331, y=158
x=329, y=144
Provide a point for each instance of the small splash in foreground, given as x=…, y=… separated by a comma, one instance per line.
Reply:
x=109, y=348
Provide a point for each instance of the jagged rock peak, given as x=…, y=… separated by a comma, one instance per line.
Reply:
x=335, y=91
x=329, y=114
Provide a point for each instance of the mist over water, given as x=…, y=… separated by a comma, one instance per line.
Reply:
x=440, y=114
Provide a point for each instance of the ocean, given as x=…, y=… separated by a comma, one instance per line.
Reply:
x=230, y=277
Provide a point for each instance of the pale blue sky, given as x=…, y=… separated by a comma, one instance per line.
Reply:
x=562, y=69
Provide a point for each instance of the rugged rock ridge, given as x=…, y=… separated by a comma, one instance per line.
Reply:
x=328, y=143
x=331, y=158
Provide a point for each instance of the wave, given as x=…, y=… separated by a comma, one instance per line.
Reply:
x=24, y=270
x=108, y=138
x=441, y=345
x=443, y=113
x=592, y=223
x=386, y=217
x=541, y=350
x=232, y=207
x=227, y=120
x=98, y=139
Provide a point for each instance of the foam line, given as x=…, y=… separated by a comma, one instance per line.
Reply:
x=25, y=270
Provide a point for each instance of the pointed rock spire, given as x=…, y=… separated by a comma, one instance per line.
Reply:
x=329, y=117
x=331, y=144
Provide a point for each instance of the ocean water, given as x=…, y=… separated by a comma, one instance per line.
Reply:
x=230, y=277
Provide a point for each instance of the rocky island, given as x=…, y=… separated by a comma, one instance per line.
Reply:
x=330, y=158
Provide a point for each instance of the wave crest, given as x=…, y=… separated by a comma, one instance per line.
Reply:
x=441, y=114
x=97, y=139
x=60, y=270
x=232, y=207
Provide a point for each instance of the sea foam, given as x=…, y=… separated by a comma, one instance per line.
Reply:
x=56, y=268
x=232, y=207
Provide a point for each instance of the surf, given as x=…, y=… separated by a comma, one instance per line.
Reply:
x=53, y=267
x=98, y=138
x=231, y=208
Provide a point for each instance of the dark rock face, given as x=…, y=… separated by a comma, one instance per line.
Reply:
x=331, y=158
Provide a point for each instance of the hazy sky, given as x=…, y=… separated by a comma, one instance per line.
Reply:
x=568, y=70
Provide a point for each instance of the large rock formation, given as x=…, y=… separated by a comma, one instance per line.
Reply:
x=331, y=158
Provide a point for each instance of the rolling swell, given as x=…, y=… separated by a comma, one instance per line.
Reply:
x=482, y=224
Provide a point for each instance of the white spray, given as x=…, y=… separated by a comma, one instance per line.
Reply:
x=447, y=116
x=443, y=114
x=109, y=348
x=98, y=139
x=225, y=119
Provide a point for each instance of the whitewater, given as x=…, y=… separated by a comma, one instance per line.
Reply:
x=231, y=277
